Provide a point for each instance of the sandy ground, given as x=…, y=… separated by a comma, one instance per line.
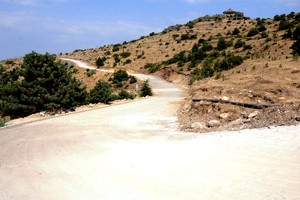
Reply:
x=134, y=151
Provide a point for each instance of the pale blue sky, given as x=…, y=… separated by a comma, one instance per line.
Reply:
x=56, y=26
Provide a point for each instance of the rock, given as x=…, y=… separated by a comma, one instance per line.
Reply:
x=224, y=115
x=237, y=122
x=42, y=114
x=186, y=107
x=214, y=123
x=198, y=125
x=225, y=98
x=253, y=114
x=297, y=119
x=243, y=114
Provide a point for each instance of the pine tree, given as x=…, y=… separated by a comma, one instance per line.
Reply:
x=145, y=89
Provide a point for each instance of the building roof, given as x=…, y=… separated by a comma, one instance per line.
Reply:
x=229, y=11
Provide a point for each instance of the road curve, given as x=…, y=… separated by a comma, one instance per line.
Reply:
x=134, y=151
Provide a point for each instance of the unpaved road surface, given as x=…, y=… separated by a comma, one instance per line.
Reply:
x=134, y=151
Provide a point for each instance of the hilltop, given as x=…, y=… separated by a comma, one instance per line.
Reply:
x=229, y=57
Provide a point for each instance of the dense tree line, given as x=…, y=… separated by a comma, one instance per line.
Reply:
x=43, y=83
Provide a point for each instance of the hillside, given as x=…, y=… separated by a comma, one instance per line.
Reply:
x=194, y=54
x=216, y=57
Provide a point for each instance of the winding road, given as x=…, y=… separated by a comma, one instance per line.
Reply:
x=134, y=151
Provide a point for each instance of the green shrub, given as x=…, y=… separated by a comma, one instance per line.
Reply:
x=100, y=61
x=252, y=32
x=188, y=37
x=214, y=54
x=152, y=67
x=261, y=28
x=284, y=25
x=264, y=34
x=10, y=62
x=190, y=24
x=145, y=89
x=239, y=44
x=90, y=73
x=2, y=122
x=207, y=46
x=132, y=80
x=296, y=48
x=247, y=47
x=128, y=61
x=201, y=40
x=120, y=76
x=230, y=62
x=102, y=93
x=125, y=95
x=236, y=31
x=116, y=47
x=222, y=44
x=125, y=54
x=117, y=58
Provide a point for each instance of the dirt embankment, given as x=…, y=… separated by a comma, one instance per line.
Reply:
x=277, y=83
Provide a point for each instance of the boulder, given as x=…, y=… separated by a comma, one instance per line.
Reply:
x=253, y=114
x=224, y=115
x=198, y=125
x=214, y=123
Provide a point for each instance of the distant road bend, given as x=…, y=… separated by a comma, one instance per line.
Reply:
x=134, y=151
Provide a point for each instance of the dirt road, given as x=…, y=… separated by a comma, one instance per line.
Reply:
x=134, y=151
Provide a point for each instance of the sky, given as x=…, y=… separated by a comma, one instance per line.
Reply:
x=56, y=26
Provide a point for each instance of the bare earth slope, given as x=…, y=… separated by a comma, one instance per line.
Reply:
x=134, y=151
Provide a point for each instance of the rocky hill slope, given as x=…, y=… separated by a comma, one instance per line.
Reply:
x=246, y=60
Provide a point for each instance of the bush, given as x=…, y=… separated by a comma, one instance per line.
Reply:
x=90, y=73
x=188, y=37
x=190, y=24
x=116, y=47
x=214, y=54
x=252, y=32
x=264, y=34
x=207, y=68
x=296, y=34
x=261, y=28
x=132, y=80
x=128, y=61
x=207, y=46
x=120, y=76
x=296, y=48
x=152, y=67
x=117, y=58
x=239, y=44
x=145, y=89
x=222, y=44
x=230, y=62
x=2, y=122
x=236, y=31
x=284, y=25
x=125, y=95
x=247, y=47
x=100, y=61
x=102, y=93
x=125, y=54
